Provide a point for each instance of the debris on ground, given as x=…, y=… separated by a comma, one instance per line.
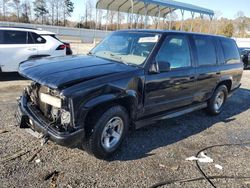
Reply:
x=44, y=140
x=14, y=156
x=202, y=159
x=38, y=160
x=3, y=131
x=218, y=166
x=161, y=165
x=34, y=155
x=53, y=176
x=175, y=167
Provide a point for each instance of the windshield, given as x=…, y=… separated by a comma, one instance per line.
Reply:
x=125, y=47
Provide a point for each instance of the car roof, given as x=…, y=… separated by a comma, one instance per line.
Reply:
x=168, y=31
x=38, y=31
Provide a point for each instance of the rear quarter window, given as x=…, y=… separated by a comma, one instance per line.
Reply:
x=37, y=38
x=230, y=51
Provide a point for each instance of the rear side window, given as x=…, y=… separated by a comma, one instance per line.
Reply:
x=206, y=50
x=230, y=51
x=15, y=37
x=37, y=38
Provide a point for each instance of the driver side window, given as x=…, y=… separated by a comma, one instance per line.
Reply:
x=175, y=50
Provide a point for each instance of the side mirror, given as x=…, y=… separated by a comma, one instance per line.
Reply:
x=154, y=69
x=164, y=66
x=159, y=67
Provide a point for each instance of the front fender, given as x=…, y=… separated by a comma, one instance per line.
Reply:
x=129, y=99
x=99, y=100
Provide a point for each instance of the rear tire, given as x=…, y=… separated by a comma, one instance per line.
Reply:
x=107, y=132
x=216, y=103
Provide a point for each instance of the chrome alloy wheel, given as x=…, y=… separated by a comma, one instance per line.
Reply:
x=112, y=133
x=219, y=100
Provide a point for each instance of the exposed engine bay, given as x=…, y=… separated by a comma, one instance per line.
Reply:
x=49, y=104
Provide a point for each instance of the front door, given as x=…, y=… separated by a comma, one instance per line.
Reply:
x=175, y=88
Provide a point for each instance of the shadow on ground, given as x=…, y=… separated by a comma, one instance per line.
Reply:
x=140, y=143
x=10, y=76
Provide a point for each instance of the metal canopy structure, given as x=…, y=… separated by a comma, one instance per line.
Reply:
x=155, y=8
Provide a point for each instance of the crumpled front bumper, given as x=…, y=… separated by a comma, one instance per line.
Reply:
x=25, y=114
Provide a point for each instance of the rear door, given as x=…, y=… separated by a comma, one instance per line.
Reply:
x=169, y=90
x=17, y=47
x=208, y=73
x=41, y=43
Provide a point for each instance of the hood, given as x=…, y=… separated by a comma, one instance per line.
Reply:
x=62, y=72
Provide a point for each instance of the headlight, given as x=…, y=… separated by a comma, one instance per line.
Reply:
x=65, y=117
x=53, y=101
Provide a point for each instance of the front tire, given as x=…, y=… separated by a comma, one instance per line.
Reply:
x=108, y=132
x=216, y=103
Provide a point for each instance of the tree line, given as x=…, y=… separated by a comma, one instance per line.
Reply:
x=51, y=12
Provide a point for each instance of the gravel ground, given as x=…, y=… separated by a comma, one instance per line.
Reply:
x=147, y=156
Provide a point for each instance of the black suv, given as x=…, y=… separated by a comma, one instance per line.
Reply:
x=245, y=56
x=131, y=79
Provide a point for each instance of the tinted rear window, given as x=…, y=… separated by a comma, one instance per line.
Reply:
x=1, y=37
x=15, y=37
x=230, y=50
x=206, y=50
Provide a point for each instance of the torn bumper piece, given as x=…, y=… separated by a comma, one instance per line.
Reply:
x=24, y=114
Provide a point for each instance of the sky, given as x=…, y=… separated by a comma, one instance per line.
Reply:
x=228, y=8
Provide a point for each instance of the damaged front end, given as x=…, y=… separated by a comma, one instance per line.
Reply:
x=44, y=110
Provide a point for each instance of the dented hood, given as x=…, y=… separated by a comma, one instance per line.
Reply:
x=61, y=72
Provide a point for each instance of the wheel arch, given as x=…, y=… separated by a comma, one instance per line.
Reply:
x=227, y=82
x=100, y=104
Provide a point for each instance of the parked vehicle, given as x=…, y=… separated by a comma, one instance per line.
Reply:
x=21, y=44
x=245, y=56
x=131, y=79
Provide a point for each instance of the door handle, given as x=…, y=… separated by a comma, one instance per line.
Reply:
x=31, y=49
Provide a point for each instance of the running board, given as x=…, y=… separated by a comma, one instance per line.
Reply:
x=169, y=115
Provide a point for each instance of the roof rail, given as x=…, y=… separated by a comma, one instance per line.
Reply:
x=17, y=27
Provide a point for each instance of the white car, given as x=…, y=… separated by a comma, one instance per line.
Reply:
x=21, y=44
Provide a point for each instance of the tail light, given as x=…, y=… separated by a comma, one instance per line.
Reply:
x=67, y=45
x=61, y=47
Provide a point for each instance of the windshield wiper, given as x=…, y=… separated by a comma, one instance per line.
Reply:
x=114, y=56
x=91, y=53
